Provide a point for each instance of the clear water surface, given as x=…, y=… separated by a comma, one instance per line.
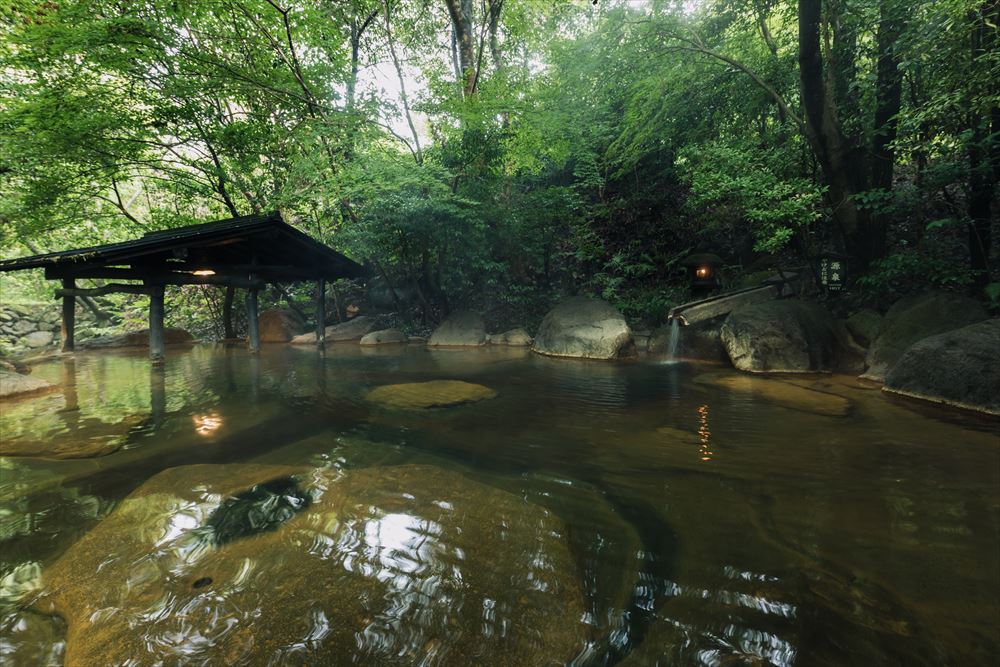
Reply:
x=697, y=522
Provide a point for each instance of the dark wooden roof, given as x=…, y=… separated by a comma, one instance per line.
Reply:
x=262, y=245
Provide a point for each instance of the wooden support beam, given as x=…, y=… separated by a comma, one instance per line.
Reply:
x=228, y=332
x=253, y=326
x=106, y=289
x=157, y=341
x=320, y=313
x=177, y=275
x=68, y=316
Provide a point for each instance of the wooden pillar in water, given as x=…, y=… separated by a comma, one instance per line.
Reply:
x=320, y=313
x=68, y=316
x=253, y=326
x=157, y=340
x=227, y=314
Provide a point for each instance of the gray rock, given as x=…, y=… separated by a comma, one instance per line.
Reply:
x=384, y=337
x=15, y=384
x=864, y=326
x=959, y=367
x=344, y=332
x=788, y=336
x=5, y=316
x=24, y=326
x=584, y=328
x=514, y=338
x=38, y=338
x=914, y=318
x=463, y=328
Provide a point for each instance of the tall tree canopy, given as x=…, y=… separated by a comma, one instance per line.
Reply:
x=491, y=152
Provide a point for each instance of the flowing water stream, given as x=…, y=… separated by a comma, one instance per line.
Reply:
x=591, y=513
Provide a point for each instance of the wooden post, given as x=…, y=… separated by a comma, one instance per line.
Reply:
x=253, y=326
x=157, y=342
x=227, y=313
x=68, y=316
x=320, y=313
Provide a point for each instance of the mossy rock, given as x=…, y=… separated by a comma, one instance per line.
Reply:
x=779, y=392
x=388, y=565
x=434, y=394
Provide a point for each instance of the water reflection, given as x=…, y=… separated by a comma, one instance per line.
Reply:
x=818, y=539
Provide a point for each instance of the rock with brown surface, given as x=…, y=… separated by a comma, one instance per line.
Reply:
x=90, y=438
x=278, y=325
x=15, y=384
x=254, y=564
x=779, y=392
x=434, y=394
x=514, y=338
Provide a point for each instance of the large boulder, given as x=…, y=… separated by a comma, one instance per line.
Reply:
x=278, y=325
x=384, y=337
x=352, y=330
x=171, y=336
x=914, y=318
x=864, y=326
x=787, y=336
x=258, y=564
x=463, y=328
x=960, y=367
x=585, y=328
x=15, y=384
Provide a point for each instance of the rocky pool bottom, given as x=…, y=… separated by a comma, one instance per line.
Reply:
x=298, y=508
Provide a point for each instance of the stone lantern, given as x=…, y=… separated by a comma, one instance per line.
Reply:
x=703, y=271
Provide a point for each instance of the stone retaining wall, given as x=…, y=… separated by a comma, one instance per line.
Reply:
x=34, y=326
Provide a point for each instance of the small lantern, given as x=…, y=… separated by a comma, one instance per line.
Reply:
x=703, y=271
x=833, y=271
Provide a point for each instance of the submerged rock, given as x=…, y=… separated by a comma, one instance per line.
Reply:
x=351, y=330
x=433, y=394
x=960, y=368
x=785, y=394
x=463, y=328
x=89, y=438
x=15, y=384
x=914, y=318
x=584, y=328
x=515, y=338
x=278, y=325
x=395, y=566
x=788, y=336
x=171, y=336
x=384, y=337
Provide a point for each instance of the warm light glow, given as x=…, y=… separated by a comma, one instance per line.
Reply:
x=704, y=434
x=204, y=272
x=703, y=272
x=207, y=424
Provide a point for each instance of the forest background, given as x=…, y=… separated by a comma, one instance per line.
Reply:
x=499, y=154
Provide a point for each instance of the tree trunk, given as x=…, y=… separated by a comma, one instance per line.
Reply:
x=461, y=19
x=840, y=159
x=984, y=157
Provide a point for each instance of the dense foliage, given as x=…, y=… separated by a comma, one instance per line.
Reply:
x=496, y=153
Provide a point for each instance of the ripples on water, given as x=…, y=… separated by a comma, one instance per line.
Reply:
x=594, y=513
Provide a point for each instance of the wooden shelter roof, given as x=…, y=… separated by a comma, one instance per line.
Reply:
x=259, y=247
